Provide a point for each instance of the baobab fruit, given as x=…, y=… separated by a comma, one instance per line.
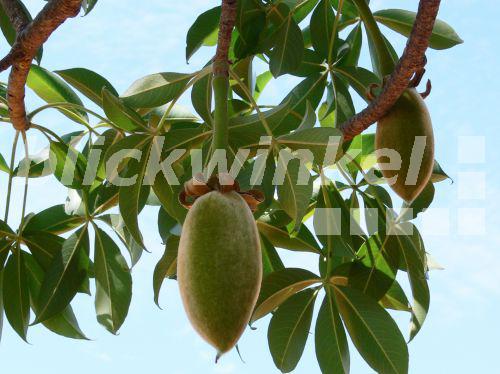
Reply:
x=407, y=129
x=219, y=267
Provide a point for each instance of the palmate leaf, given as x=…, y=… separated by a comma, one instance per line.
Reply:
x=64, y=277
x=289, y=329
x=16, y=297
x=373, y=331
x=49, y=87
x=332, y=349
x=279, y=286
x=87, y=82
x=443, y=36
x=44, y=246
x=203, y=27
x=166, y=267
x=155, y=89
x=65, y=323
x=113, y=283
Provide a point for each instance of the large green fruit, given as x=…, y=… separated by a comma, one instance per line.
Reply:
x=219, y=267
x=398, y=131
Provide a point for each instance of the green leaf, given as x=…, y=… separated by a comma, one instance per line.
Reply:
x=395, y=299
x=6, y=230
x=373, y=331
x=70, y=165
x=280, y=237
x=438, y=174
x=260, y=83
x=88, y=83
x=88, y=5
x=53, y=220
x=279, y=286
x=65, y=323
x=420, y=204
x=344, y=104
x=169, y=197
x=317, y=140
x=64, y=277
x=44, y=246
x=119, y=113
x=201, y=98
x=1, y=303
x=413, y=259
x=16, y=297
x=53, y=89
x=130, y=196
x=309, y=90
x=250, y=24
x=332, y=349
x=288, y=51
x=355, y=42
x=200, y=31
x=113, y=283
x=115, y=221
x=271, y=260
x=289, y=329
x=155, y=89
x=321, y=28
x=443, y=36
x=359, y=78
x=166, y=267
x=294, y=192
x=3, y=165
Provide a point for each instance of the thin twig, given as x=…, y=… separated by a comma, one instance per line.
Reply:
x=28, y=41
x=412, y=60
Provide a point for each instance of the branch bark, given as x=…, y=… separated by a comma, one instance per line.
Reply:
x=29, y=39
x=227, y=20
x=412, y=60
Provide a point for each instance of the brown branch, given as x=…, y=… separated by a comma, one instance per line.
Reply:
x=226, y=26
x=29, y=39
x=412, y=61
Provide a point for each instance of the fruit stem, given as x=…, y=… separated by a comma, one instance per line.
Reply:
x=384, y=58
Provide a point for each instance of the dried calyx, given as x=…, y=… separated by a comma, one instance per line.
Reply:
x=223, y=182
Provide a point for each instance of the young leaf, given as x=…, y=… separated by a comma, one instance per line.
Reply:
x=65, y=323
x=88, y=83
x=113, y=283
x=16, y=297
x=443, y=36
x=64, y=277
x=332, y=349
x=53, y=89
x=155, y=89
x=373, y=331
x=279, y=286
x=166, y=267
x=289, y=329
x=204, y=26
x=288, y=51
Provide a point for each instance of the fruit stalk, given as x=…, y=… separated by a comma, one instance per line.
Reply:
x=410, y=62
x=221, y=74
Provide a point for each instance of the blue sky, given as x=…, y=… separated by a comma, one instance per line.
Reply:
x=124, y=40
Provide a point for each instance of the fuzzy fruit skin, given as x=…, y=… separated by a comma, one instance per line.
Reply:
x=219, y=267
x=408, y=118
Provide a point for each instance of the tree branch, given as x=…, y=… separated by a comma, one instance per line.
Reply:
x=226, y=26
x=16, y=14
x=28, y=41
x=412, y=60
